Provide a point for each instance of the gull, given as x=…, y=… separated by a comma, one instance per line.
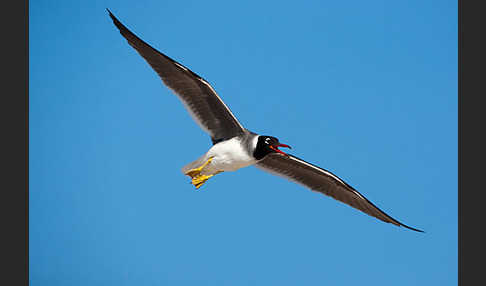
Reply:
x=234, y=146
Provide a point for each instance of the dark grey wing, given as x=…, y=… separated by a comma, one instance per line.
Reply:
x=200, y=99
x=320, y=180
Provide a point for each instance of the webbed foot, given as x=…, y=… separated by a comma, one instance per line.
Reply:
x=199, y=180
x=197, y=171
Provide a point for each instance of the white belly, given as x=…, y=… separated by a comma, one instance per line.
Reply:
x=228, y=156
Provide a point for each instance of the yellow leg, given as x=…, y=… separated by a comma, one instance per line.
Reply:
x=199, y=180
x=197, y=171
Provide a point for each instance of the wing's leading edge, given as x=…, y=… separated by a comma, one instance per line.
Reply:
x=198, y=96
x=320, y=180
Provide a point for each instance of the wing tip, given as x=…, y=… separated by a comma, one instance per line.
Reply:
x=411, y=228
x=111, y=14
x=115, y=20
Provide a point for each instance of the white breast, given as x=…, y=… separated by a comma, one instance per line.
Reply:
x=229, y=155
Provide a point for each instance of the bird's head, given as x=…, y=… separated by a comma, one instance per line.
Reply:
x=266, y=145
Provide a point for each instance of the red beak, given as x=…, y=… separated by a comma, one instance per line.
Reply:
x=275, y=148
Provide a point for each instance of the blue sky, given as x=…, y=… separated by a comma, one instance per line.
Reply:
x=365, y=89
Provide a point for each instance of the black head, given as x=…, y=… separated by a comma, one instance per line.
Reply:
x=266, y=145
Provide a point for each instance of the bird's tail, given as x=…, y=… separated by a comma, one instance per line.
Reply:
x=195, y=164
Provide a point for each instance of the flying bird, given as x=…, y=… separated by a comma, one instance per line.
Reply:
x=234, y=146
